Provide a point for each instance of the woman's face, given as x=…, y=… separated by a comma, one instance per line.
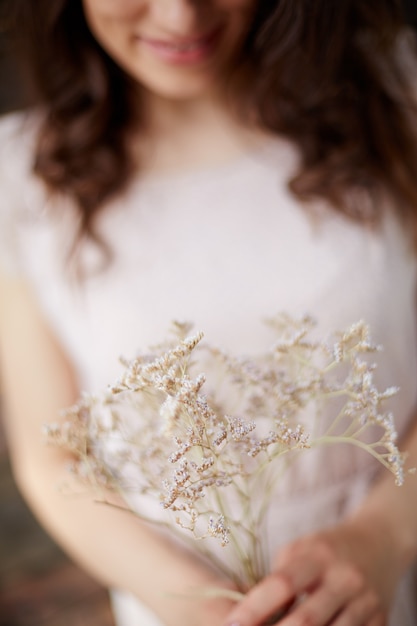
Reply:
x=177, y=49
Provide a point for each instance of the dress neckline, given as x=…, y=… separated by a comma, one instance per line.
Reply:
x=276, y=151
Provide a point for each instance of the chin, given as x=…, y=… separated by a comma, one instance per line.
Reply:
x=180, y=89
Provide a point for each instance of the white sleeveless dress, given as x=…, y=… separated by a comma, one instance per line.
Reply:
x=225, y=248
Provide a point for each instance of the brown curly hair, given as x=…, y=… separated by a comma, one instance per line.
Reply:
x=330, y=76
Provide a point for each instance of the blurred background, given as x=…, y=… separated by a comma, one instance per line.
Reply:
x=411, y=11
x=39, y=586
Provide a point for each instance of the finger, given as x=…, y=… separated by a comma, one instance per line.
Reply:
x=362, y=611
x=338, y=589
x=275, y=592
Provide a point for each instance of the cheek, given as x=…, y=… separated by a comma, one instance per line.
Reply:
x=111, y=22
x=97, y=11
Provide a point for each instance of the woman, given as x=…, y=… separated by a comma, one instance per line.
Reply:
x=216, y=161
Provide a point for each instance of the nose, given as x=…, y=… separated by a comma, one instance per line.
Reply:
x=179, y=17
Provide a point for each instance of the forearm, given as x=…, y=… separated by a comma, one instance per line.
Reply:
x=119, y=550
x=349, y=571
x=37, y=382
x=394, y=508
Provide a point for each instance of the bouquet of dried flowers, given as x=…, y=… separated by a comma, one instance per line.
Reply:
x=210, y=453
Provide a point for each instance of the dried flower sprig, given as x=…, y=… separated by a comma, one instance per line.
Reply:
x=212, y=455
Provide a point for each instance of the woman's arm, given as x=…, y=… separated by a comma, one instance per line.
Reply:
x=120, y=551
x=347, y=575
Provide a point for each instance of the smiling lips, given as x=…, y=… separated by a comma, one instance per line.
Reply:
x=185, y=51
